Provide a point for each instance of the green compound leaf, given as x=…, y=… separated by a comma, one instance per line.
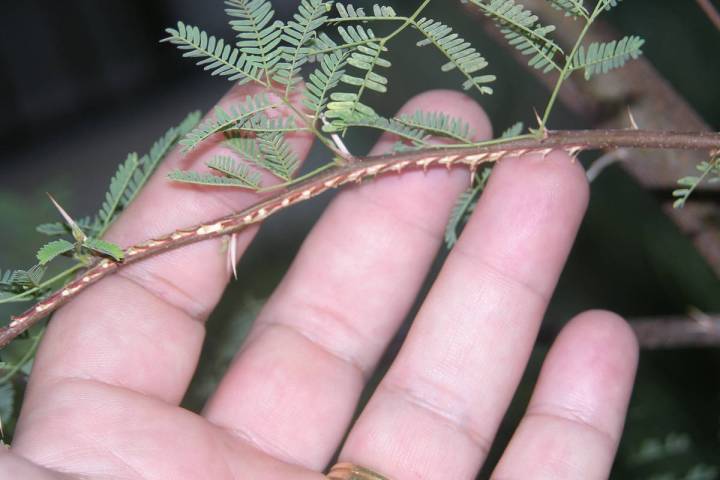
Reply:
x=50, y=251
x=464, y=207
x=298, y=35
x=325, y=77
x=602, y=57
x=224, y=120
x=258, y=36
x=228, y=167
x=438, y=123
x=104, y=248
x=207, y=179
x=709, y=171
x=514, y=130
x=214, y=54
x=522, y=30
x=24, y=279
x=278, y=157
x=572, y=8
x=460, y=53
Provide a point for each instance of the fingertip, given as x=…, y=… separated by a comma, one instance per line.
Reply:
x=609, y=331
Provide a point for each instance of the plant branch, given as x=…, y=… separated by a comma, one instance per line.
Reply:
x=364, y=167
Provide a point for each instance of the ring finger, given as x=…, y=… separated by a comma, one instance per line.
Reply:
x=435, y=413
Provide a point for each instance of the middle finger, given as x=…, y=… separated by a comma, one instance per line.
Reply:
x=294, y=386
x=435, y=413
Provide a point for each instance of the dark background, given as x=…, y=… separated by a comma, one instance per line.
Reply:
x=83, y=82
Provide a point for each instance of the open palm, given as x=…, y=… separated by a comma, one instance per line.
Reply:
x=103, y=397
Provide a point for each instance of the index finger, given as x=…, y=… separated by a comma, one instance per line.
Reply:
x=111, y=332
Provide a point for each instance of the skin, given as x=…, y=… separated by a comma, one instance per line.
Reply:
x=103, y=397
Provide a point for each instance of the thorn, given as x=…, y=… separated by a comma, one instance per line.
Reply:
x=232, y=255
x=77, y=232
x=633, y=123
x=337, y=140
x=541, y=126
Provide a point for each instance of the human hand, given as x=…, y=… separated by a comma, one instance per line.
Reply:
x=103, y=397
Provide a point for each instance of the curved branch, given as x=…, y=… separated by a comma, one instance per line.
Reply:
x=570, y=141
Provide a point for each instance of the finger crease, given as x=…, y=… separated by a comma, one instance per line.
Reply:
x=169, y=295
x=572, y=416
x=505, y=276
x=441, y=413
x=336, y=354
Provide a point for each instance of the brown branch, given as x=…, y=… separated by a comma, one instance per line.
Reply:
x=710, y=11
x=693, y=331
x=569, y=141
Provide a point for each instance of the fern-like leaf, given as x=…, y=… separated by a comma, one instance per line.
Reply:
x=215, y=55
x=128, y=181
x=298, y=35
x=439, y=123
x=278, y=157
x=513, y=131
x=52, y=250
x=393, y=126
x=350, y=12
x=460, y=53
x=603, y=57
x=261, y=123
x=347, y=107
x=523, y=31
x=709, y=171
x=258, y=36
x=31, y=278
x=244, y=146
x=231, y=169
x=118, y=186
x=326, y=77
x=464, y=206
x=207, y=179
x=224, y=120
x=572, y=8
x=104, y=248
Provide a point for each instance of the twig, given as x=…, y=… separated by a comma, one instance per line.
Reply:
x=678, y=332
x=710, y=11
x=364, y=167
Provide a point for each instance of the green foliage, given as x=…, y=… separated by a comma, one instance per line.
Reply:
x=236, y=116
x=104, y=249
x=7, y=403
x=440, y=124
x=298, y=35
x=603, y=57
x=25, y=279
x=393, y=126
x=513, y=131
x=348, y=11
x=709, y=171
x=118, y=185
x=214, y=54
x=320, y=82
x=278, y=157
x=464, y=206
x=258, y=36
x=229, y=168
x=572, y=8
x=523, y=31
x=347, y=107
x=49, y=251
x=460, y=53
x=207, y=179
